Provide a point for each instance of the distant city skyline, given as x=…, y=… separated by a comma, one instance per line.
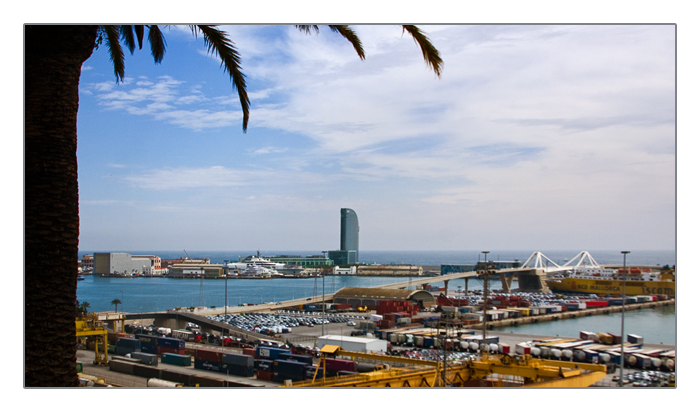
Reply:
x=535, y=137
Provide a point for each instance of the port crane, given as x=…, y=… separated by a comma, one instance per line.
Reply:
x=89, y=325
x=487, y=370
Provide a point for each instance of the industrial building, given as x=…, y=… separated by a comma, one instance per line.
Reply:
x=349, y=239
x=314, y=261
x=373, y=296
x=121, y=264
x=196, y=270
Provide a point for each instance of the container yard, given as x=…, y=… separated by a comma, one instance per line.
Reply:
x=396, y=343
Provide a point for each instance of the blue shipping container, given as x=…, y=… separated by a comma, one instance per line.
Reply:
x=290, y=368
x=296, y=357
x=149, y=349
x=170, y=343
x=175, y=359
x=128, y=343
x=269, y=353
x=263, y=365
x=237, y=359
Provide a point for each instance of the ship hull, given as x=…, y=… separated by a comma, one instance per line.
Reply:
x=613, y=287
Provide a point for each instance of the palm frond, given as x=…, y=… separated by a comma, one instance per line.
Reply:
x=217, y=41
x=139, y=34
x=116, y=54
x=351, y=36
x=157, y=41
x=127, y=33
x=430, y=54
x=306, y=28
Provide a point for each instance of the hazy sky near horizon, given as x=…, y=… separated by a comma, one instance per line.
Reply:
x=534, y=137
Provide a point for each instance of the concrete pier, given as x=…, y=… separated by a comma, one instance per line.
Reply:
x=524, y=320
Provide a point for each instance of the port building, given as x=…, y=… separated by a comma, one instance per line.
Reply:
x=121, y=264
x=373, y=296
x=349, y=239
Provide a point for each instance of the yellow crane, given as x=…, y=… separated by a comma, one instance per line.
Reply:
x=89, y=325
x=488, y=370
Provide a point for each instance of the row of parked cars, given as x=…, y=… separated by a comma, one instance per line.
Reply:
x=282, y=321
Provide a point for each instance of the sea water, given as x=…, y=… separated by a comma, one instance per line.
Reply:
x=145, y=294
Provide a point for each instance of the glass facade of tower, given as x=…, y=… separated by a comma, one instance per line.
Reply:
x=349, y=235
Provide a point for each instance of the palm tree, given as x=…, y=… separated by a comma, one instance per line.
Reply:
x=116, y=302
x=54, y=55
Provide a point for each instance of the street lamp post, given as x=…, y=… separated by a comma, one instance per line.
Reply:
x=622, y=326
x=226, y=287
x=485, y=297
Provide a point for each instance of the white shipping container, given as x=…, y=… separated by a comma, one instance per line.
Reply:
x=354, y=344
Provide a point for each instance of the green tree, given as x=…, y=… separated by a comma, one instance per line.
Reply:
x=116, y=302
x=81, y=309
x=53, y=58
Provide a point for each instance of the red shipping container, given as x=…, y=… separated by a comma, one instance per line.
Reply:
x=339, y=365
x=249, y=351
x=264, y=375
x=209, y=355
x=161, y=350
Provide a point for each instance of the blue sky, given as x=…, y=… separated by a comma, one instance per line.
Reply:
x=535, y=137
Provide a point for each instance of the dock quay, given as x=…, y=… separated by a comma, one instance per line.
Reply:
x=572, y=314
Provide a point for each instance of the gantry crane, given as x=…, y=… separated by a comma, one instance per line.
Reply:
x=89, y=325
x=487, y=370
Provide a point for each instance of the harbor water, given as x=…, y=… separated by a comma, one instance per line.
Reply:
x=145, y=294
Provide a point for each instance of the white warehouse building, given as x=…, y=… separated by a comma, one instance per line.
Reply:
x=122, y=263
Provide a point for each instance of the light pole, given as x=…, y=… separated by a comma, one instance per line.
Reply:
x=622, y=327
x=485, y=297
x=226, y=288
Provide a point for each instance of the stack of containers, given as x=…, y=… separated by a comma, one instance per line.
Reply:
x=239, y=365
x=393, y=306
x=263, y=369
x=128, y=345
x=208, y=360
x=334, y=366
x=146, y=358
x=149, y=344
x=170, y=345
x=283, y=370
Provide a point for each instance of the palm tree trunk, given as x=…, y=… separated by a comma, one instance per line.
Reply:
x=53, y=59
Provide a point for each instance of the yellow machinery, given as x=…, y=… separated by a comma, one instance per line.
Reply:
x=489, y=370
x=91, y=326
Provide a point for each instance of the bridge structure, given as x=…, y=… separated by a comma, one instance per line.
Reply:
x=531, y=275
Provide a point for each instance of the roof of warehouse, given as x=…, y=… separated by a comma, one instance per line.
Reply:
x=383, y=293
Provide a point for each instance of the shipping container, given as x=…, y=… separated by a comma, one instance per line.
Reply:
x=635, y=339
x=146, y=358
x=147, y=339
x=175, y=359
x=160, y=350
x=264, y=375
x=263, y=352
x=210, y=366
x=295, y=357
x=170, y=343
x=339, y=365
x=146, y=371
x=121, y=366
x=522, y=349
x=208, y=355
x=263, y=364
x=128, y=343
x=237, y=359
x=149, y=349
